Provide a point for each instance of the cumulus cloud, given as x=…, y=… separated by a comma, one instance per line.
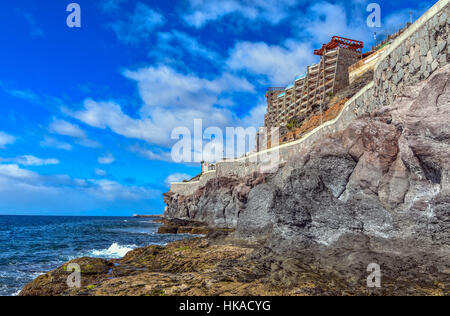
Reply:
x=15, y=172
x=200, y=12
x=67, y=129
x=25, y=189
x=151, y=154
x=324, y=19
x=30, y=160
x=54, y=143
x=6, y=139
x=106, y=159
x=177, y=89
x=279, y=63
x=110, y=115
x=137, y=26
x=176, y=43
x=180, y=99
x=255, y=117
x=64, y=128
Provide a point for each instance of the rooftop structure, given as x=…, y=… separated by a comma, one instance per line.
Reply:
x=337, y=41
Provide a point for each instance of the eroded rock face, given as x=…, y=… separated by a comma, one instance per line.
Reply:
x=217, y=204
x=384, y=180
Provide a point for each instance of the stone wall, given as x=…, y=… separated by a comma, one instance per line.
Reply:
x=188, y=188
x=347, y=57
x=412, y=57
x=268, y=161
x=367, y=64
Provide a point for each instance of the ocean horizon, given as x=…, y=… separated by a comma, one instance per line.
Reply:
x=31, y=245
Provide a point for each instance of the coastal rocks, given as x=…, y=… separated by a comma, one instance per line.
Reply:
x=218, y=203
x=200, y=266
x=55, y=282
x=188, y=267
x=375, y=192
x=179, y=226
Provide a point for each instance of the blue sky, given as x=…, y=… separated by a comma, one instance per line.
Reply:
x=87, y=113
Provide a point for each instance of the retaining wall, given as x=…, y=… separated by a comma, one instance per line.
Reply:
x=188, y=188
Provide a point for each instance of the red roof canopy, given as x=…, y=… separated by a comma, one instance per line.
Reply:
x=338, y=41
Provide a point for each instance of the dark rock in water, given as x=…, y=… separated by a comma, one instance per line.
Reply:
x=147, y=216
x=179, y=226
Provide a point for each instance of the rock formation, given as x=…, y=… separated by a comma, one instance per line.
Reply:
x=377, y=192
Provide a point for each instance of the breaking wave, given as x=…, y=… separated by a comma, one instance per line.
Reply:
x=114, y=251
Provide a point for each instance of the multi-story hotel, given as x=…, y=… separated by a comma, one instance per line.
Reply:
x=320, y=80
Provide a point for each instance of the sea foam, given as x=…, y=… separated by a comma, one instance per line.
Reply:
x=114, y=251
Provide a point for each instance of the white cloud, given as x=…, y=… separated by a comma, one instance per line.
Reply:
x=255, y=117
x=29, y=160
x=151, y=154
x=176, y=89
x=52, y=142
x=201, y=12
x=6, y=139
x=65, y=128
x=86, y=142
x=179, y=43
x=106, y=160
x=24, y=189
x=137, y=26
x=176, y=177
x=280, y=64
x=15, y=172
x=323, y=20
x=181, y=98
x=112, y=190
x=100, y=172
x=109, y=115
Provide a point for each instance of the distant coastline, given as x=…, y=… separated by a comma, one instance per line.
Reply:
x=147, y=216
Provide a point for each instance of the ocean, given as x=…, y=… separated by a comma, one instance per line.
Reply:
x=33, y=245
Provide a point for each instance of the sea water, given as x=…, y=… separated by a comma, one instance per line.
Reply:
x=33, y=245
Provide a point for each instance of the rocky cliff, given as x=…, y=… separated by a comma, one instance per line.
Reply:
x=378, y=191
